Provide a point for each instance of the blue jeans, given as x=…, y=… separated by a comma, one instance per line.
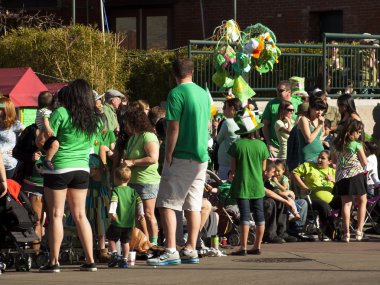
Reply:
x=256, y=206
x=297, y=226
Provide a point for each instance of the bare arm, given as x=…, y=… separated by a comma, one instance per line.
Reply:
x=3, y=177
x=266, y=132
x=362, y=157
x=274, y=196
x=297, y=179
x=279, y=185
x=47, y=127
x=303, y=126
x=151, y=151
x=289, y=128
x=171, y=139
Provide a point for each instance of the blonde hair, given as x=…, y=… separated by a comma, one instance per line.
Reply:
x=9, y=116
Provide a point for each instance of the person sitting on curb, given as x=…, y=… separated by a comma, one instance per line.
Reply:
x=276, y=210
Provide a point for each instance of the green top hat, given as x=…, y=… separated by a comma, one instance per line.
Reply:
x=298, y=86
x=246, y=122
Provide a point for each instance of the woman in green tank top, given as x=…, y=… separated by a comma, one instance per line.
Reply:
x=310, y=129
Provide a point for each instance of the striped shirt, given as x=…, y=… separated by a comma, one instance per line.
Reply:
x=348, y=163
x=41, y=114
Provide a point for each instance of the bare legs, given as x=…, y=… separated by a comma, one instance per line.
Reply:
x=346, y=212
x=361, y=211
x=37, y=205
x=169, y=223
x=55, y=201
x=149, y=205
x=193, y=225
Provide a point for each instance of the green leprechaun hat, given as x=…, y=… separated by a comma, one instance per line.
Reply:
x=246, y=122
x=298, y=87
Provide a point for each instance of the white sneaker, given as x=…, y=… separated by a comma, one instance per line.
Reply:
x=166, y=258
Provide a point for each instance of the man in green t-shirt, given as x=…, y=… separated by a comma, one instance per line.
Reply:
x=270, y=115
x=186, y=158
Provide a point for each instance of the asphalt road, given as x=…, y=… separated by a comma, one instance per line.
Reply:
x=292, y=263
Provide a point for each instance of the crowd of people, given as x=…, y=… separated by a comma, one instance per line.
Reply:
x=120, y=164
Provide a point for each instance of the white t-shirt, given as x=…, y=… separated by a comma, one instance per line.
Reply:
x=41, y=114
x=372, y=173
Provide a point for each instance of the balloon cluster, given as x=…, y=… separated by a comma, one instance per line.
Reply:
x=238, y=52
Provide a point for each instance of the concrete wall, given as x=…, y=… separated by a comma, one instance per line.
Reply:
x=363, y=106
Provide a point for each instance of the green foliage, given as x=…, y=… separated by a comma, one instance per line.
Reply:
x=67, y=53
x=149, y=74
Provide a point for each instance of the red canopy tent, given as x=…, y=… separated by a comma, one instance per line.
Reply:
x=21, y=85
x=54, y=87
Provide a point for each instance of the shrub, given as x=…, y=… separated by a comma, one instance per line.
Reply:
x=64, y=54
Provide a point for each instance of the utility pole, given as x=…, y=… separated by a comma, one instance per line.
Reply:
x=73, y=12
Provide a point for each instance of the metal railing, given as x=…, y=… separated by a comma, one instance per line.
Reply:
x=304, y=60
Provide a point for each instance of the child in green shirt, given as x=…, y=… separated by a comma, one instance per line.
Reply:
x=248, y=158
x=122, y=212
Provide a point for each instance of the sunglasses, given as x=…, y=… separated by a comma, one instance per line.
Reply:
x=290, y=110
x=281, y=90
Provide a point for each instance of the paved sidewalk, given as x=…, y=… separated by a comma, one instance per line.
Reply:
x=293, y=263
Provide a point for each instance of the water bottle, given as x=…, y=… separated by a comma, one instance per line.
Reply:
x=215, y=241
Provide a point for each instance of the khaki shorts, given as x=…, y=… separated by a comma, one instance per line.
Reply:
x=182, y=184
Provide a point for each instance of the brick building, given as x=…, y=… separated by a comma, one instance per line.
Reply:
x=171, y=23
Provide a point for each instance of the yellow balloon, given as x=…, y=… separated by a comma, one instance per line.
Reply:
x=213, y=110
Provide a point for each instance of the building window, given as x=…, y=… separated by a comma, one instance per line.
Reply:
x=127, y=25
x=157, y=32
x=145, y=28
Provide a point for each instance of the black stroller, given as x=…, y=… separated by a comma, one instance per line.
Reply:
x=17, y=219
x=229, y=220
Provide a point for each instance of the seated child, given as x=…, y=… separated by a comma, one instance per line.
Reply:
x=280, y=183
x=327, y=135
x=224, y=197
x=122, y=211
x=373, y=182
x=44, y=132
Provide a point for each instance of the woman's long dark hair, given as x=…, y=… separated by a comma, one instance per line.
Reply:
x=347, y=101
x=349, y=127
x=80, y=102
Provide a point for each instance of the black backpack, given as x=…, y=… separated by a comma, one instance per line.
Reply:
x=23, y=152
x=16, y=217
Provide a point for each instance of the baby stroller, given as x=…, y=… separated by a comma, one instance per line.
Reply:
x=228, y=217
x=17, y=219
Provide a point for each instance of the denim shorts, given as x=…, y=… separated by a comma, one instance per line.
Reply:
x=256, y=206
x=146, y=191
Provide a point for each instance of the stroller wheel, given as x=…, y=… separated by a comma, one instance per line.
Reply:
x=42, y=259
x=65, y=257
x=234, y=239
x=251, y=238
x=8, y=259
x=23, y=262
